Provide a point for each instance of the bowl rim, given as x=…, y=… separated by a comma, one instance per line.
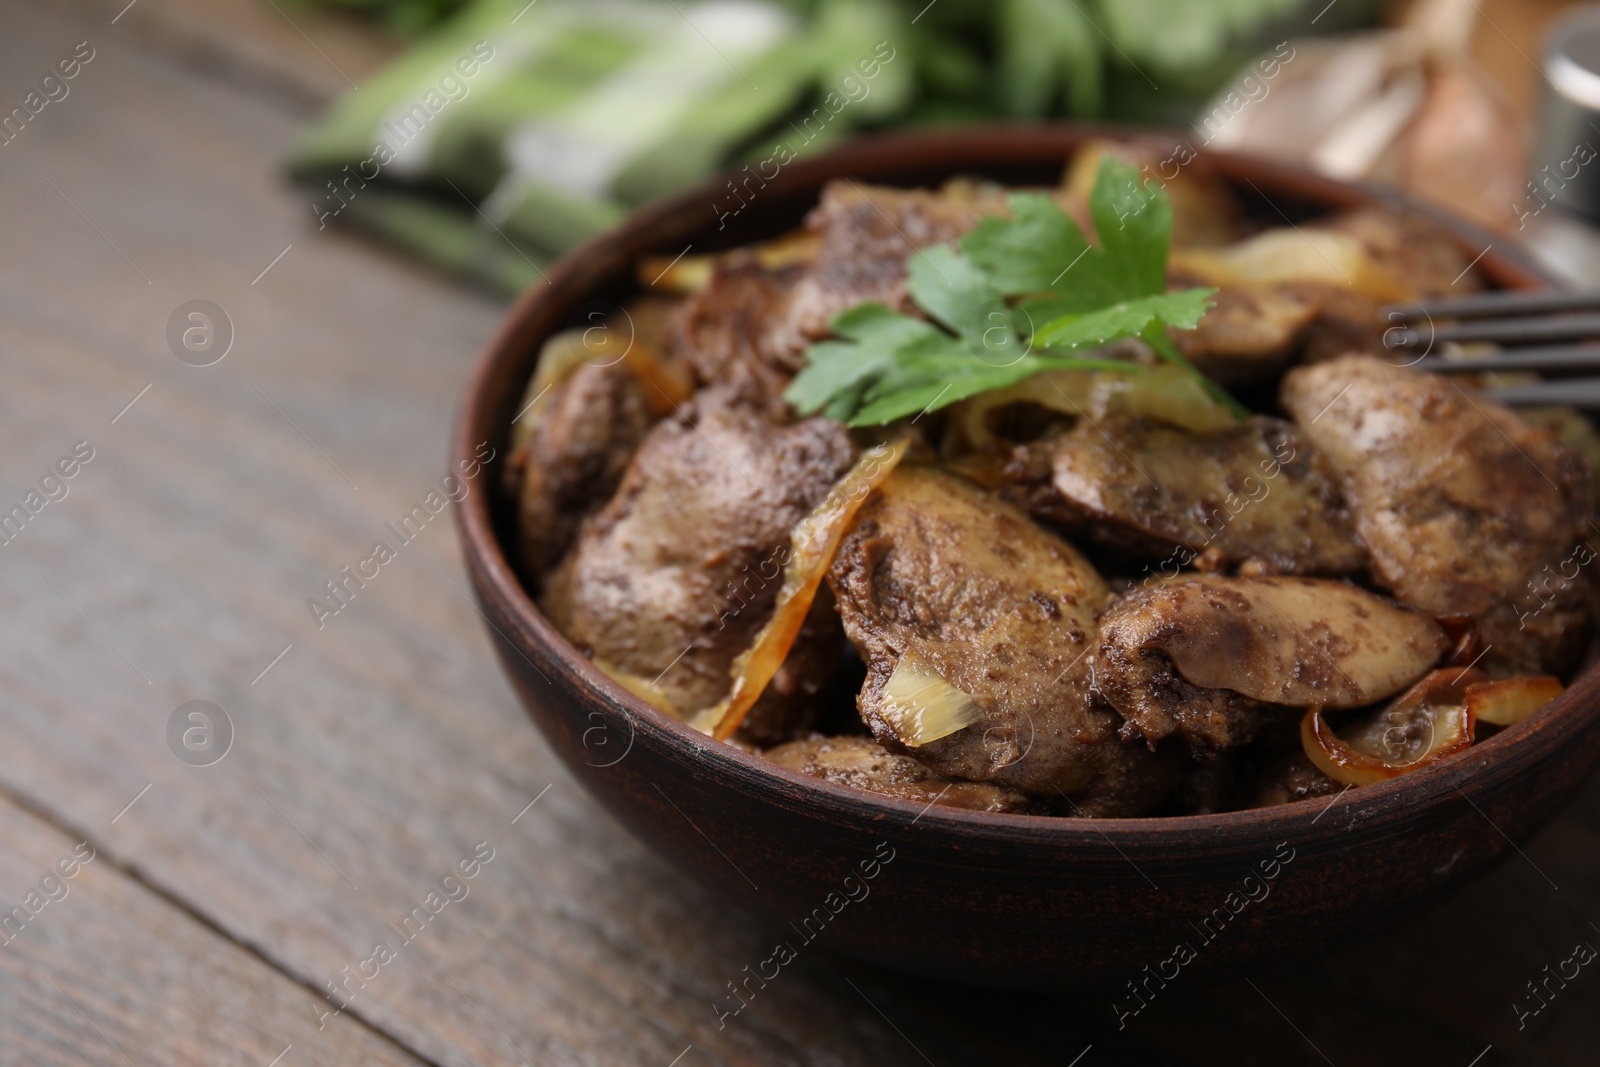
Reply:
x=1487, y=767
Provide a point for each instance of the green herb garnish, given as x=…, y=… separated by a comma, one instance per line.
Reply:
x=1019, y=296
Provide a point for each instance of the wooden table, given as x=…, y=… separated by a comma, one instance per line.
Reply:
x=371, y=756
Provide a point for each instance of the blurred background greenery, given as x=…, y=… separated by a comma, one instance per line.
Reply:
x=541, y=151
x=1029, y=58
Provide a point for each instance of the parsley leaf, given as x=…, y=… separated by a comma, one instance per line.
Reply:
x=955, y=291
x=1130, y=318
x=838, y=373
x=1034, y=249
x=986, y=300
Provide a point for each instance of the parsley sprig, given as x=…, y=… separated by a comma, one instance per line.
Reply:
x=1020, y=295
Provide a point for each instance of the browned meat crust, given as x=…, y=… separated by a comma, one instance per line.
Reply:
x=1159, y=702
x=1410, y=248
x=726, y=332
x=1208, y=785
x=1005, y=612
x=862, y=763
x=1461, y=503
x=674, y=577
x=867, y=233
x=1214, y=660
x=748, y=329
x=1414, y=251
x=1249, y=335
x=575, y=457
x=789, y=704
x=1255, y=494
x=1293, y=777
x=1346, y=322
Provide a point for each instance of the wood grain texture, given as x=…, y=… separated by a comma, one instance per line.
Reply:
x=191, y=543
x=382, y=748
x=298, y=55
x=100, y=970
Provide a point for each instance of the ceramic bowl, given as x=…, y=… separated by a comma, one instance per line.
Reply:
x=1004, y=900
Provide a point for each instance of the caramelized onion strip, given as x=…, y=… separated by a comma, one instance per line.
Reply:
x=1508, y=701
x=666, y=384
x=1298, y=254
x=1066, y=392
x=687, y=275
x=1431, y=720
x=1166, y=393
x=815, y=539
x=562, y=354
x=643, y=688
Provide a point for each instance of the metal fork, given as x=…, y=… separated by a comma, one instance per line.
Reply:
x=1524, y=324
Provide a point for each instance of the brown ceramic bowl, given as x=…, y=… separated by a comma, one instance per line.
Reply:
x=993, y=899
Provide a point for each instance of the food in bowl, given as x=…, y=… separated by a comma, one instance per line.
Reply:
x=939, y=498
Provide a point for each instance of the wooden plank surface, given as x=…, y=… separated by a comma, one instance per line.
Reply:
x=98, y=970
x=373, y=755
x=377, y=752
x=296, y=54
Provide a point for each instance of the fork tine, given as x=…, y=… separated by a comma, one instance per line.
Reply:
x=1581, y=393
x=1546, y=359
x=1546, y=315
x=1487, y=305
x=1503, y=331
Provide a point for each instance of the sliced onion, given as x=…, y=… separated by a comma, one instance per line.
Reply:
x=666, y=384
x=1165, y=393
x=920, y=706
x=794, y=247
x=1300, y=254
x=1068, y=392
x=1426, y=723
x=814, y=540
x=562, y=354
x=687, y=275
x=987, y=468
x=1509, y=701
x=641, y=687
